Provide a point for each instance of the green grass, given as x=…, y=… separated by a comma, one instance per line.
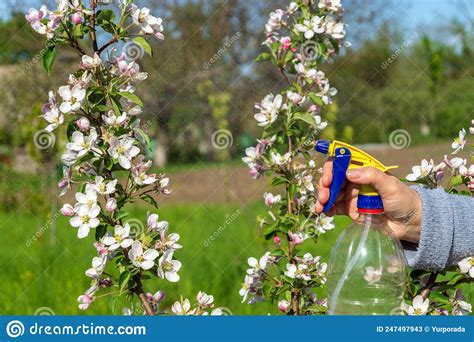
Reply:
x=49, y=272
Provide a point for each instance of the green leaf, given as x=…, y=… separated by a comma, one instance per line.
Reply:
x=100, y=231
x=105, y=15
x=149, y=199
x=144, y=44
x=316, y=99
x=144, y=137
x=438, y=297
x=278, y=252
x=132, y=97
x=48, y=58
x=124, y=279
x=263, y=57
x=306, y=117
x=279, y=180
x=455, y=181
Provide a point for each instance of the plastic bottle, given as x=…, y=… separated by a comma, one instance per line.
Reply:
x=366, y=271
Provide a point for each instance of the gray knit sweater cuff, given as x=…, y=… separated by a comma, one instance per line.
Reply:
x=446, y=231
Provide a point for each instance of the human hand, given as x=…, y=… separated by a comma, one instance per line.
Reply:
x=403, y=206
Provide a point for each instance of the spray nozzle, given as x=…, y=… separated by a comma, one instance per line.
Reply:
x=346, y=157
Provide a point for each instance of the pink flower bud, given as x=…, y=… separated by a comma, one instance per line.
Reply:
x=159, y=296
x=111, y=205
x=276, y=239
x=68, y=210
x=283, y=305
x=83, y=124
x=76, y=18
x=296, y=239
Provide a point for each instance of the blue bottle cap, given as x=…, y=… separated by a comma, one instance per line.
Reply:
x=369, y=204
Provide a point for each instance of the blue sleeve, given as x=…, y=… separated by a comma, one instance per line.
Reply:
x=447, y=231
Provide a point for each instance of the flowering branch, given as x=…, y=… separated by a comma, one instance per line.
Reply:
x=101, y=109
x=299, y=40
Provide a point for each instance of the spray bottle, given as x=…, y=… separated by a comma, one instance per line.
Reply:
x=366, y=272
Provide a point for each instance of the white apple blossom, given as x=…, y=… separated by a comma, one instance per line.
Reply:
x=305, y=72
x=168, y=268
x=48, y=29
x=72, y=98
x=182, y=308
x=139, y=173
x=142, y=259
x=460, y=306
x=121, y=238
x=420, y=171
x=271, y=199
x=275, y=21
x=244, y=291
x=459, y=165
x=311, y=27
x=54, y=118
x=251, y=156
x=103, y=188
x=269, y=108
x=420, y=306
x=466, y=266
x=296, y=98
x=459, y=143
x=373, y=275
x=111, y=205
x=123, y=150
x=330, y=5
x=334, y=29
x=111, y=119
x=169, y=243
x=129, y=70
x=85, y=220
x=279, y=159
x=83, y=123
x=204, y=299
x=154, y=224
x=98, y=266
x=87, y=199
x=258, y=265
x=320, y=124
x=324, y=223
x=147, y=23
x=299, y=271
x=82, y=144
x=87, y=298
x=88, y=62
x=37, y=15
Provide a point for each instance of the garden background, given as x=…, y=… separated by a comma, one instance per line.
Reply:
x=405, y=88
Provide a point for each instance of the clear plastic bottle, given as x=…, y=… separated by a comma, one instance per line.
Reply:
x=366, y=273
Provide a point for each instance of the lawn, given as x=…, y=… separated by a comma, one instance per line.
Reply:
x=49, y=272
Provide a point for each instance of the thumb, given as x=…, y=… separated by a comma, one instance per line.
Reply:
x=371, y=176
